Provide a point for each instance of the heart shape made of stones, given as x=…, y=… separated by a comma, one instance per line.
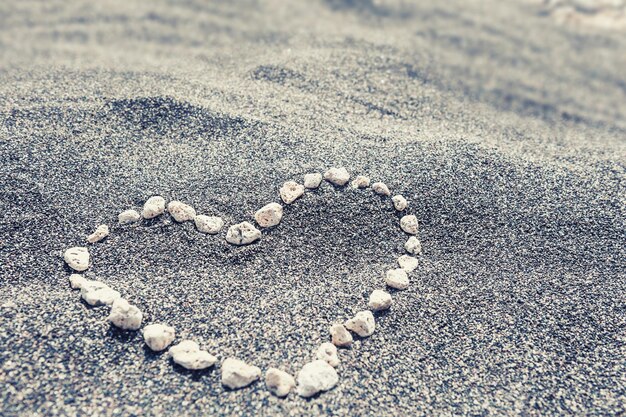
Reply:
x=316, y=376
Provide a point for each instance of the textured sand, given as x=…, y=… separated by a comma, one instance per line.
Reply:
x=503, y=129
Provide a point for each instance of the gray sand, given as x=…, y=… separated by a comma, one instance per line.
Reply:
x=504, y=129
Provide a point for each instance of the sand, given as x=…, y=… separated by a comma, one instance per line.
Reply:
x=503, y=129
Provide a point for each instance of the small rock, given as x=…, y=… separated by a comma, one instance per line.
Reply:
x=158, y=336
x=315, y=377
x=312, y=180
x=238, y=374
x=279, y=382
x=128, y=216
x=180, y=211
x=337, y=176
x=269, y=215
x=380, y=300
x=362, y=323
x=154, y=206
x=124, y=315
x=399, y=202
x=361, y=182
x=340, y=336
x=188, y=355
x=100, y=233
x=9, y=304
x=328, y=352
x=77, y=281
x=408, y=223
x=408, y=263
x=243, y=233
x=77, y=258
x=381, y=189
x=208, y=224
x=97, y=293
x=413, y=246
x=397, y=278
x=291, y=191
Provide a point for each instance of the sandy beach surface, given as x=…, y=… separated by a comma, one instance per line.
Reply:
x=503, y=127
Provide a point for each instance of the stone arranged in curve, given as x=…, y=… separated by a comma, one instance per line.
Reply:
x=280, y=383
x=316, y=376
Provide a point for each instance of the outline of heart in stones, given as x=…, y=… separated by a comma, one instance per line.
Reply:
x=131, y=317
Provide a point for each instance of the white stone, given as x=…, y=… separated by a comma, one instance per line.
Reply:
x=77, y=258
x=312, y=180
x=381, y=189
x=125, y=315
x=158, y=336
x=97, y=293
x=328, y=352
x=399, y=202
x=77, y=281
x=100, y=233
x=361, y=181
x=269, y=215
x=362, y=323
x=315, y=377
x=408, y=263
x=280, y=383
x=408, y=223
x=128, y=216
x=291, y=191
x=397, y=278
x=238, y=374
x=9, y=304
x=243, y=233
x=188, y=355
x=154, y=206
x=340, y=336
x=380, y=300
x=337, y=176
x=413, y=246
x=180, y=211
x=208, y=224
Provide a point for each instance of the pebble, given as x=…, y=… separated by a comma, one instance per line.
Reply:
x=100, y=233
x=408, y=263
x=125, y=315
x=380, y=300
x=362, y=323
x=96, y=293
x=291, y=191
x=328, y=352
x=361, y=182
x=158, y=336
x=153, y=207
x=312, y=180
x=180, y=211
x=128, y=216
x=238, y=374
x=399, y=202
x=381, y=189
x=413, y=246
x=208, y=224
x=269, y=215
x=243, y=233
x=188, y=355
x=9, y=304
x=77, y=281
x=280, y=383
x=397, y=278
x=408, y=223
x=315, y=377
x=340, y=336
x=337, y=176
x=77, y=258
